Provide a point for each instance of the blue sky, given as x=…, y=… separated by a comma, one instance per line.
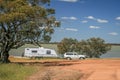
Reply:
x=84, y=19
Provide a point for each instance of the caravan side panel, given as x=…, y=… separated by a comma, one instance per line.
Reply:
x=31, y=52
x=27, y=52
x=49, y=53
x=39, y=52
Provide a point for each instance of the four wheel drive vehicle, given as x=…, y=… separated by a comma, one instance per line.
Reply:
x=73, y=55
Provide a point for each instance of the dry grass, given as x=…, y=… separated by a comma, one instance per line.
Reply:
x=19, y=59
x=15, y=71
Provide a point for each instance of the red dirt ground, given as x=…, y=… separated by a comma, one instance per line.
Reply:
x=89, y=69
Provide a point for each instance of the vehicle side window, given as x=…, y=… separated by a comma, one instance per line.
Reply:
x=69, y=53
x=75, y=54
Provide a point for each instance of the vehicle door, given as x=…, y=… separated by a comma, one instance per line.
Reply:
x=76, y=56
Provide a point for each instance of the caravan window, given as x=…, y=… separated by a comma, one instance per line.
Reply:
x=48, y=52
x=34, y=51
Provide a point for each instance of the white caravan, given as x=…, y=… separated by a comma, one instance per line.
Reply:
x=39, y=52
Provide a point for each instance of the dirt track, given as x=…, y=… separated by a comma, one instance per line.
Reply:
x=91, y=69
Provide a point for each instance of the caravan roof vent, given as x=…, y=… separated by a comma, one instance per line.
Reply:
x=41, y=47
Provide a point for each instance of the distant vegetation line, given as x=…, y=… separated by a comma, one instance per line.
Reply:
x=117, y=44
x=114, y=44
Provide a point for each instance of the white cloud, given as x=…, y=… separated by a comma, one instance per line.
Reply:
x=90, y=17
x=84, y=21
x=71, y=29
x=117, y=18
x=73, y=18
x=113, y=33
x=102, y=21
x=96, y=19
x=69, y=18
x=69, y=0
x=64, y=17
x=94, y=27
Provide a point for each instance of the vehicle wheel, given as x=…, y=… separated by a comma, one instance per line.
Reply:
x=68, y=58
x=81, y=58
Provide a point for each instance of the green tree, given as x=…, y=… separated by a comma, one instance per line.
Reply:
x=81, y=47
x=95, y=47
x=67, y=45
x=24, y=21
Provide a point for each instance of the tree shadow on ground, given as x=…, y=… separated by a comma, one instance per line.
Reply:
x=47, y=63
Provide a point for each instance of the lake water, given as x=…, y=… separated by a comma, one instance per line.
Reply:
x=113, y=53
